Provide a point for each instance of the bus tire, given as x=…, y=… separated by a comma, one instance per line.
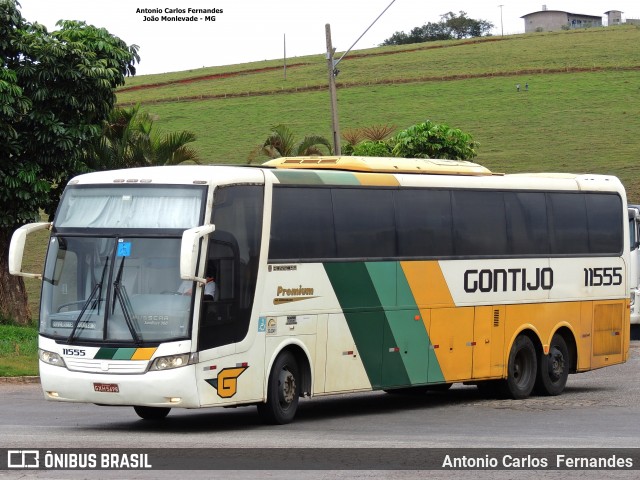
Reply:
x=152, y=413
x=553, y=369
x=521, y=370
x=283, y=391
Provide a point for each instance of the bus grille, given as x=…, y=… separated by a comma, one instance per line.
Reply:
x=106, y=366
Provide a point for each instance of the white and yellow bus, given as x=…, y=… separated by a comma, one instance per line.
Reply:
x=332, y=275
x=634, y=263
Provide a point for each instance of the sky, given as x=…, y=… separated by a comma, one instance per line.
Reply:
x=257, y=30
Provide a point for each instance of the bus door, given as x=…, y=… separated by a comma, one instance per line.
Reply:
x=232, y=257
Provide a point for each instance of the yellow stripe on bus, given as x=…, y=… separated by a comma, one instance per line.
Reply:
x=143, y=353
x=427, y=284
x=383, y=180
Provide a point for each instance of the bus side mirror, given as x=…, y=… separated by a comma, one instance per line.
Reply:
x=16, y=248
x=189, y=250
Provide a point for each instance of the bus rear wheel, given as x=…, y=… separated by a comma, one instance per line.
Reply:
x=152, y=413
x=522, y=368
x=553, y=369
x=283, y=391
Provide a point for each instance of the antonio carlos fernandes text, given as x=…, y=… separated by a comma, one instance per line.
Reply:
x=533, y=462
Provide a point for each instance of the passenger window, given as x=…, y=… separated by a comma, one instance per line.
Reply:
x=479, y=223
x=424, y=223
x=527, y=223
x=364, y=222
x=302, y=224
x=569, y=222
x=605, y=223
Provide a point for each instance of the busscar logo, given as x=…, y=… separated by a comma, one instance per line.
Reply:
x=23, y=459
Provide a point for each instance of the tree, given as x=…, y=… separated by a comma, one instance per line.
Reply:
x=282, y=143
x=368, y=141
x=56, y=88
x=129, y=139
x=432, y=140
x=398, y=38
x=423, y=140
x=460, y=26
x=371, y=148
x=450, y=26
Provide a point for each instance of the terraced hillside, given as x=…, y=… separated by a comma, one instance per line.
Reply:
x=581, y=111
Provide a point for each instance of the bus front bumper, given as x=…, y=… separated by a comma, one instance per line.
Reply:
x=175, y=388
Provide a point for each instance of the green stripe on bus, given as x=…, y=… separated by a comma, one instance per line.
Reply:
x=385, y=323
x=302, y=177
x=115, y=353
x=414, y=333
x=338, y=178
x=366, y=317
x=124, y=354
x=406, y=357
x=357, y=296
x=105, y=353
x=295, y=177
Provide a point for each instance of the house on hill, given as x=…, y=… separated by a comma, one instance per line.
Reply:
x=615, y=18
x=553, y=20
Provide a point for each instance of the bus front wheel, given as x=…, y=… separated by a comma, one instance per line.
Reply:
x=283, y=391
x=152, y=413
x=522, y=368
x=553, y=369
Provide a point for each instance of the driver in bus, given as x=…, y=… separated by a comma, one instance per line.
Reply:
x=209, y=288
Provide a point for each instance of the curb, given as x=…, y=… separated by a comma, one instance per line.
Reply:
x=19, y=379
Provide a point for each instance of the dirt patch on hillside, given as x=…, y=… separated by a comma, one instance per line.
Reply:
x=204, y=78
x=390, y=81
x=217, y=76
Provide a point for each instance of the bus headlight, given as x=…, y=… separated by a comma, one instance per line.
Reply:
x=173, y=361
x=51, y=358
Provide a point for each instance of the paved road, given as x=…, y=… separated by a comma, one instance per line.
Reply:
x=598, y=409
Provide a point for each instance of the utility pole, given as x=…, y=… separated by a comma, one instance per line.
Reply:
x=333, y=72
x=332, y=92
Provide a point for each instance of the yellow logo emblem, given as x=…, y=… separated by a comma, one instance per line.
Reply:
x=227, y=381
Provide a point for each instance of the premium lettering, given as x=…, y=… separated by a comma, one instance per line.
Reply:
x=291, y=292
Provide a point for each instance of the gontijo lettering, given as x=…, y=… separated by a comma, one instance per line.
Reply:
x=507, y=280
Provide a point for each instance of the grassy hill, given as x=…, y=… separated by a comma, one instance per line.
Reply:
x=581, y=112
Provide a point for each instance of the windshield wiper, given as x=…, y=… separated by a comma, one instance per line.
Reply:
x=127, y=310
x=97, y=288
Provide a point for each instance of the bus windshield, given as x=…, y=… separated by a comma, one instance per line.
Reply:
x=130, y=206
x=114, y=289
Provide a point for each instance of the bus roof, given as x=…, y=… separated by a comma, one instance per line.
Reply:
x=355, y=170
x=382, y=165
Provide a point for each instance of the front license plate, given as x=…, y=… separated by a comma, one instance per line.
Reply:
x=106, y=387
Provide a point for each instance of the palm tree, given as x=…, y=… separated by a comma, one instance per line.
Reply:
x=281, y=142
x=129, y=139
